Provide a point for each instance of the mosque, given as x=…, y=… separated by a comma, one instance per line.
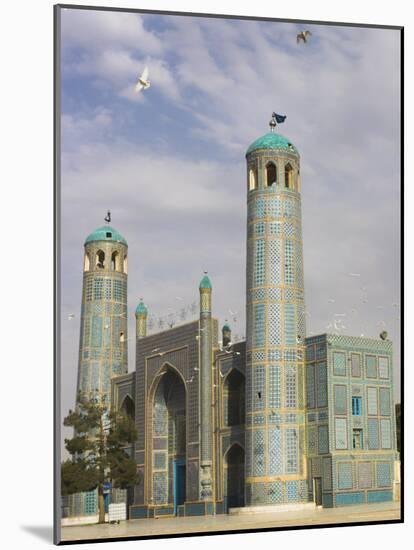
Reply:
x=279, y=420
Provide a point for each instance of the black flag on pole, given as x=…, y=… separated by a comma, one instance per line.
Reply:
x=279, y=118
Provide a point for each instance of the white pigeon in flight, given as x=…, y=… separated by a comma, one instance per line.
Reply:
x=303, y=35
x=143, y=82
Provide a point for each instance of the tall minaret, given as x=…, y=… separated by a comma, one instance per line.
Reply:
x=103, y=337
x=275, y=435
x=206, y=391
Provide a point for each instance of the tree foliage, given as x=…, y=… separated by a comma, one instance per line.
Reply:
x=97, y=450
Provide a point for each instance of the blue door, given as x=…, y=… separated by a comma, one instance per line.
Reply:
x=179, y=483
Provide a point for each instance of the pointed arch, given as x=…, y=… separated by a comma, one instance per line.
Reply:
x=168, y=409
x=288, y=176
x=252, y=179
x=234, y=398
x=234, y=475
x=86, y=262
x=128, y=406
x=100, y=259
x=271, y=174
x=115, y=261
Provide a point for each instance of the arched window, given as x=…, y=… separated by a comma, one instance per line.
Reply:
x=86, y=263
x=252, y=179
x=298, y=182
x=128, y=407
x=234, y=397
x=288, y=176
x=100, y=259
x=115, y=261
x=271, y=177
x=125, y=264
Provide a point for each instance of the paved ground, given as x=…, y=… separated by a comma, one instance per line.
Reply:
x=163, y=526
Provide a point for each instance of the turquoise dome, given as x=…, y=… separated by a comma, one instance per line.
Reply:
x=141, y=308
x=271, y=141
x=226, y=327
x=205, y=283
x=106, y=233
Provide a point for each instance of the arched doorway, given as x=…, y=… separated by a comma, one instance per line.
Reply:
x=234, y=476
x=169, y=440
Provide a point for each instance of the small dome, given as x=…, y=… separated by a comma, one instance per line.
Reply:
x=141, y=309
x=205, y=283
x=226, y=327
x=106, y=233
x=272, y=141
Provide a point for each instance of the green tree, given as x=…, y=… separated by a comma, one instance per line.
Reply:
x=97, y=451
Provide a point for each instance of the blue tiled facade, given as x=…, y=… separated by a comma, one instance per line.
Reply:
x=357, y=420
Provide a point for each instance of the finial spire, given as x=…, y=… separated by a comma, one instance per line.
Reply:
x=108, y=217
x=272, y=122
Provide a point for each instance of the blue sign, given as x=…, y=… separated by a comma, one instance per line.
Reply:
x=107, y=487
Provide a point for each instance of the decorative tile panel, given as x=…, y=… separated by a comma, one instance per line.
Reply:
x=373, y=442
x=323, y=439
x=371, y=366
x=340, y=399
x=275, y=451
x=384, y=402
x=364, y=475
x=345, y=475
x=372, y=401
x=321, y=389
x=383, y=474
x=341, y=433
x=383, y=367
x=339, y=363
x=291, y=451
x=385, y=425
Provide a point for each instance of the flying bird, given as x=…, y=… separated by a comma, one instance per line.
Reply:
x=303, y=35
x=143, y=82
x=383, y=335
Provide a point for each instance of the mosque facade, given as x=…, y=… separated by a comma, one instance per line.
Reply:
x=278, y=420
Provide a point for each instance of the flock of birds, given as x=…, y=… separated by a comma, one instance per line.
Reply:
x=143, y=82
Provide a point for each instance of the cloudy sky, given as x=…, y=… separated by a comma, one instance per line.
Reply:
x=169, y=162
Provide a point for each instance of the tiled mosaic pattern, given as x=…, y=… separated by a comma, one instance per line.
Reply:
x=345, y=475
x=341, y=433
x=384, y=401
x=340, y=399
x=385, y=426
x=371, y=366
x=373, y=439
x=323, y=439
x=383, y=474
x=339, y=361
x=364, y=475
x=327, y=474
x=372, y=400
x=383, y=367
